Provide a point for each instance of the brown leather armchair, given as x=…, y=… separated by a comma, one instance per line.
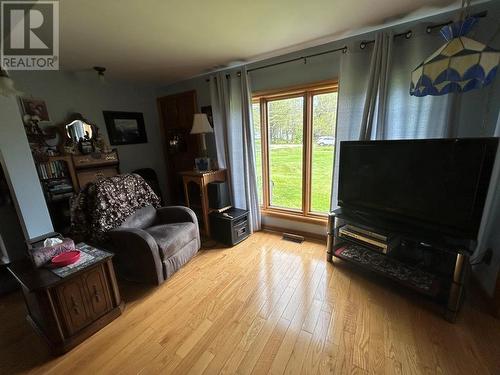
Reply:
x=153, y=243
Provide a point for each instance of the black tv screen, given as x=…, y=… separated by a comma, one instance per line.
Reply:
x=441, y=183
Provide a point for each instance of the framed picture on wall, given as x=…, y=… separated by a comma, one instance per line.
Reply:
x=35, y=107
x=125, y=128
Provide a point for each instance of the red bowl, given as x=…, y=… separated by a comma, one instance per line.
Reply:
x=64, y=259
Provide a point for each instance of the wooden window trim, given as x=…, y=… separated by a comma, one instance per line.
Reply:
x=294, y=215
x=307, y=92
x=317, y=87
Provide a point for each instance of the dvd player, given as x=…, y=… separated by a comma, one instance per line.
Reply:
x=381, y=242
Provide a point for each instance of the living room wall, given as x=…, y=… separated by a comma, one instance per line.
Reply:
x=82, y=92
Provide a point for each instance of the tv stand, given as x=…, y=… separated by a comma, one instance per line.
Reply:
x=421, y=261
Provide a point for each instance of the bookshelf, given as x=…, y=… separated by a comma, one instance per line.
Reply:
x=59, y=183
x=58, y=176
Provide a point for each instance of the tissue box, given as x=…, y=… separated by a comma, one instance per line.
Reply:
x=41, y=255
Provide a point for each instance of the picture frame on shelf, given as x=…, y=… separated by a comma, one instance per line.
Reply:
x=125, y=128
x=202, y=164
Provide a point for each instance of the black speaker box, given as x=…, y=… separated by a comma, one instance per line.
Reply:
x=229, y=227
x=218, y=195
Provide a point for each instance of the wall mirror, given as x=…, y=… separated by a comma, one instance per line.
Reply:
x=81, y=133
x=79, y=129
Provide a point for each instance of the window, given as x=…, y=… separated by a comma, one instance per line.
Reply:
x=294, y=148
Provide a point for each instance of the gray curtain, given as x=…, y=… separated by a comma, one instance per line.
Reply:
x=219, y=97
x=249, y=164
x=489, y=233
x=234, y=138
x=374, y=112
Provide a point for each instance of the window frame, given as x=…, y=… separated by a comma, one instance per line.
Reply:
x=307, y=92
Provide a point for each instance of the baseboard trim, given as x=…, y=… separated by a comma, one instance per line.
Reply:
x=308, y=235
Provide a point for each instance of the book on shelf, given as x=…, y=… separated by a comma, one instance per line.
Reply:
x=51, y=169
x=60, y=196
x=62, y=184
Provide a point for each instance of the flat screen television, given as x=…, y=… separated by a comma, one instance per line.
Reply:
x=436, y=183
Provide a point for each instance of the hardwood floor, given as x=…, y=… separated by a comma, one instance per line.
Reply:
x=265, y=306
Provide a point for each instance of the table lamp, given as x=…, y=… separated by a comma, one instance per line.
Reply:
x=202, y=126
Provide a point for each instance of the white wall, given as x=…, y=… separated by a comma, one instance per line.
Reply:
x=82, y=92
x=21, y=170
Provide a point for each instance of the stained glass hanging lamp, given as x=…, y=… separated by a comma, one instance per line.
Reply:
x=460, y=65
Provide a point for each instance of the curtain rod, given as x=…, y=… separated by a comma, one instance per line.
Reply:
x=227, y=76
x=407, y=34
x=343, y=49
x=430, y=28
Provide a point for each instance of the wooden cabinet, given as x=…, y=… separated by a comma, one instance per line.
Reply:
x=89, y=168
x=65, y=311
x=181, y=148
x=84, y=299
x=87, y=176
x=96, y=160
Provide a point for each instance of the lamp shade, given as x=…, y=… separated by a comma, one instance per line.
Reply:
x=460, y=65
x=201, y=124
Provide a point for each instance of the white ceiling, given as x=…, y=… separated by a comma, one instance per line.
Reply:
x=169, y=40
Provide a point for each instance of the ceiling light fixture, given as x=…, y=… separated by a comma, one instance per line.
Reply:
x=100, y=72
x=7, y=85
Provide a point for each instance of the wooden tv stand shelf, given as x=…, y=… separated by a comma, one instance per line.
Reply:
x=420, y=260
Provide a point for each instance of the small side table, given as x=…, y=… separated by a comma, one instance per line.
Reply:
x=202, y=179
x=67, y=310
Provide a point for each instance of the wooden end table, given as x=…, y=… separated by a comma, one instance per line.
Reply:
x=202, y=179
x=67, y=310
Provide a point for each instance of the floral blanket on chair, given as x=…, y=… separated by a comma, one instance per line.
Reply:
x=106, y=203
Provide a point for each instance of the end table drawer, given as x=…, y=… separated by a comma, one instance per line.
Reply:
x=97, y=289
x=84, y=299
x=73, y=301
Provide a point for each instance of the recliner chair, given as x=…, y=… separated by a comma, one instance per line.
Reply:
x=152, y=243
